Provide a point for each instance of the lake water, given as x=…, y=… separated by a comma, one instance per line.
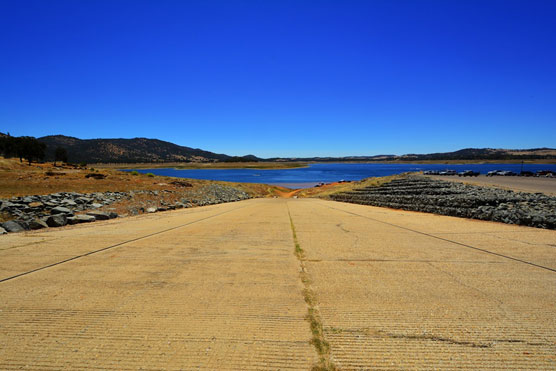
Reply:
x=327, y=173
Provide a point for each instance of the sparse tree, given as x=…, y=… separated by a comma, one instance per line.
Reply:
x=20, y=147
x=27, y=148
x=60, y=154
x=9, y=145
x=39, y=150
x=4, y=140
x=30, y=149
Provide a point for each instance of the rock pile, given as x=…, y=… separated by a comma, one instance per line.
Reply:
x=456, y=199
x=214, y=194
x=211, y=194
x=56, y=209
x=59, y=209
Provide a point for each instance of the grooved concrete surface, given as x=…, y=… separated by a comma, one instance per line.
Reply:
x=219, y=288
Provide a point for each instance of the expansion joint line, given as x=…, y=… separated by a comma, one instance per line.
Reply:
x=113, y=246
x=446, y=240
x=313, y=314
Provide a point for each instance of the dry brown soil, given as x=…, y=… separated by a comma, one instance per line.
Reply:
x=222, y=287
x=20, y=179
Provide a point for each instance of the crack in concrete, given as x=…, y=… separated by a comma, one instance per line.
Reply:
x=446, y=239
x=347, y=231
x=490, y=343
x=402, y=261
x=439, y=339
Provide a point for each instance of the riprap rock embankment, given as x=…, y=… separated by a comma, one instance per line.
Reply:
x=59, y=209
x=417, y=193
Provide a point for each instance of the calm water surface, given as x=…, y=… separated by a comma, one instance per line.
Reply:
x=326, y=173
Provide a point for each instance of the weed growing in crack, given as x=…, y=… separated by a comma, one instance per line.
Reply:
x=313, y=317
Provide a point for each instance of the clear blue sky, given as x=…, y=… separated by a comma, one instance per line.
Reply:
x=283, y=78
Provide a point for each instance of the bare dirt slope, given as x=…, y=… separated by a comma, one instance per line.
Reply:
x=224, y=287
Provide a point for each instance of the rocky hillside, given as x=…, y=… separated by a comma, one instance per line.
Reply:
x=130, y=151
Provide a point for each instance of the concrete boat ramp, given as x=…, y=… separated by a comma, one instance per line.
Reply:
x=279, y=284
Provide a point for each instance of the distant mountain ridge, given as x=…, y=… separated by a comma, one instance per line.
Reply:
x=144, y=150
x=130, y=151
x=466, y=154
x=487, y=154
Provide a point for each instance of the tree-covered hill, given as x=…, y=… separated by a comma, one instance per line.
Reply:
x=129, y=151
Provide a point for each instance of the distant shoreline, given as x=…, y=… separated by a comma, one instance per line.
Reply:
x=445, y=162
x=299, y=164
x=204, y=165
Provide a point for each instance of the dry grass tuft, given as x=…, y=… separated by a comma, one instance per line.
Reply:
x=313, y=316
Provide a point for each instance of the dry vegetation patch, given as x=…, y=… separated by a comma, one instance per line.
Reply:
x=20, y=179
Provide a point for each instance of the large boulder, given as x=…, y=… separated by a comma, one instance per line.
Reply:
x=60, y=210
x=99, y=215
x=37, y=224
x=81, y=219
x=85, y=218
x=12, y=226
x=57, y=220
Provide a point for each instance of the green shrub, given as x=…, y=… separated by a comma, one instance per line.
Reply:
x=134, y=172
x=150, y=175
